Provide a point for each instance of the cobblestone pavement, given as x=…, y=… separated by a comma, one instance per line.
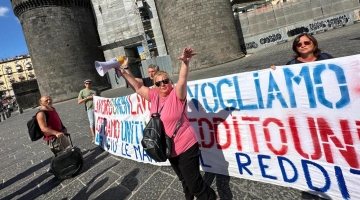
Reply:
x=104, y=176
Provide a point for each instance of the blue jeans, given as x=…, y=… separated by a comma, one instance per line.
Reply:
x=90, y=113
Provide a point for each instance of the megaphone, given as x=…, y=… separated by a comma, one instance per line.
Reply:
x=103, y=67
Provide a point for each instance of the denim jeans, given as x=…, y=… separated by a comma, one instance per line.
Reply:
x=90, y=113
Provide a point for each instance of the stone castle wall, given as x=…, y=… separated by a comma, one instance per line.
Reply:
x=63, y=44
x=206, y=26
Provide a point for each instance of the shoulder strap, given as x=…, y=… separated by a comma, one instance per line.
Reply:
x=179, y=122
x=293, y=61
x=47, y=116
x=324, y=56
x=45, y=112
x=157, y=106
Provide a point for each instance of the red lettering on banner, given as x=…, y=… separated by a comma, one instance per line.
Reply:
x=252, y=131
x=347, y=150
x=284, y=147
x=237, y=134
x=131, y=106
x=315, y=139
x=99, y=121
x=138, y=106
x=145, y=103
x=109, y=107
x=202, y=135
x=358, y=128
x=217, y=133
x=108, y=129
x=115, y=129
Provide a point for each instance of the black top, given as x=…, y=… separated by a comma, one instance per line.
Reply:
x=148, y=82
x=322, y=56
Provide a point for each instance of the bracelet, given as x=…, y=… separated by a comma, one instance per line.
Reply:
x=125, y=67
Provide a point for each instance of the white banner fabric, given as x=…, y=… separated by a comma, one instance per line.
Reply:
x=297, y=126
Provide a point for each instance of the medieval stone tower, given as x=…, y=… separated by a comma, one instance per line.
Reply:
x=63, y=43
x=206, y=26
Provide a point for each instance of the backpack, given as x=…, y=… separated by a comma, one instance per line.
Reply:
x=156, y=143
x=322, y=55
x=34, y=130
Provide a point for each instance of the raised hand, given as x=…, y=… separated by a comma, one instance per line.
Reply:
x=187, y=54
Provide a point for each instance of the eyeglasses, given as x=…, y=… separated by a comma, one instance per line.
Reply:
x=306, y=43
x=88, y=83
x=165, y=81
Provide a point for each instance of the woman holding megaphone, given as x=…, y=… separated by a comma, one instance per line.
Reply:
x=185, y=151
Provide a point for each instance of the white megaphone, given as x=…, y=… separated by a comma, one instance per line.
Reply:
x=103, y=67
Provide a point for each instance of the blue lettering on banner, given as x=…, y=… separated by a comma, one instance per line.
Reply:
x=284, y=173
x=341, y=80
x=194, y=95
x=263, y=166
x=140, y=153
x=258, y=90
x=274, y=91
x=232, y=102
x=121, y=105
x=202, y=162
x=211, y=95
x=124, y=149
x=305, y=164
x=112, y=144
x=130, y=131
x=341, y=183
x=241, y=165
x=244, y=163
x=241, y=106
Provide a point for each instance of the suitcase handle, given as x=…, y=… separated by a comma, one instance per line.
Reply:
x=53, y=140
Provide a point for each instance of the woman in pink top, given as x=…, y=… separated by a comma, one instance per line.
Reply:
x=185, y=153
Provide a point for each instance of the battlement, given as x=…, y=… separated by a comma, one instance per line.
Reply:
x=20, y=6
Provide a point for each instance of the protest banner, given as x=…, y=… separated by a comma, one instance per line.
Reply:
x=297, y=126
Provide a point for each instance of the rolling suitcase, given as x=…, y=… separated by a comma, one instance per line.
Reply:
x=67, y=163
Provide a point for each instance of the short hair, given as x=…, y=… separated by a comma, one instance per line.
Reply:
x=316, y=51
x=154, y=67
x=161, y=73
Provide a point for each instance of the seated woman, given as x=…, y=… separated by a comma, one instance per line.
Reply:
x=185, y=151
x=306, y=49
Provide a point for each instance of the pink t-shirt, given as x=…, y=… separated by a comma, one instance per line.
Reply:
x=170, y=115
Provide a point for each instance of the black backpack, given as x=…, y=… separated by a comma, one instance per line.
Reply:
x=34, y=130
x=156, y=143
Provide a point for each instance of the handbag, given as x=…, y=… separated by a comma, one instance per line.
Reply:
x=156, y=143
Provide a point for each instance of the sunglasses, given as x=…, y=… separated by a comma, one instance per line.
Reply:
x=306, y=43
x=165, y=81
x=87, y=83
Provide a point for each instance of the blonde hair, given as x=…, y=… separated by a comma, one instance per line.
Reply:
x=161, y=73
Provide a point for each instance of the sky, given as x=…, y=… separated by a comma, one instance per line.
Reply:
x=12, y=40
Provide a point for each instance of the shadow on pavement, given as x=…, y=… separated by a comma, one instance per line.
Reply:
x=124, y=189
x=222, y=184
x=86, y=192
x=26, y=173
x=37, y=188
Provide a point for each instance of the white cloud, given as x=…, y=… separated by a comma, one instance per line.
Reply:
x=3, y=11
